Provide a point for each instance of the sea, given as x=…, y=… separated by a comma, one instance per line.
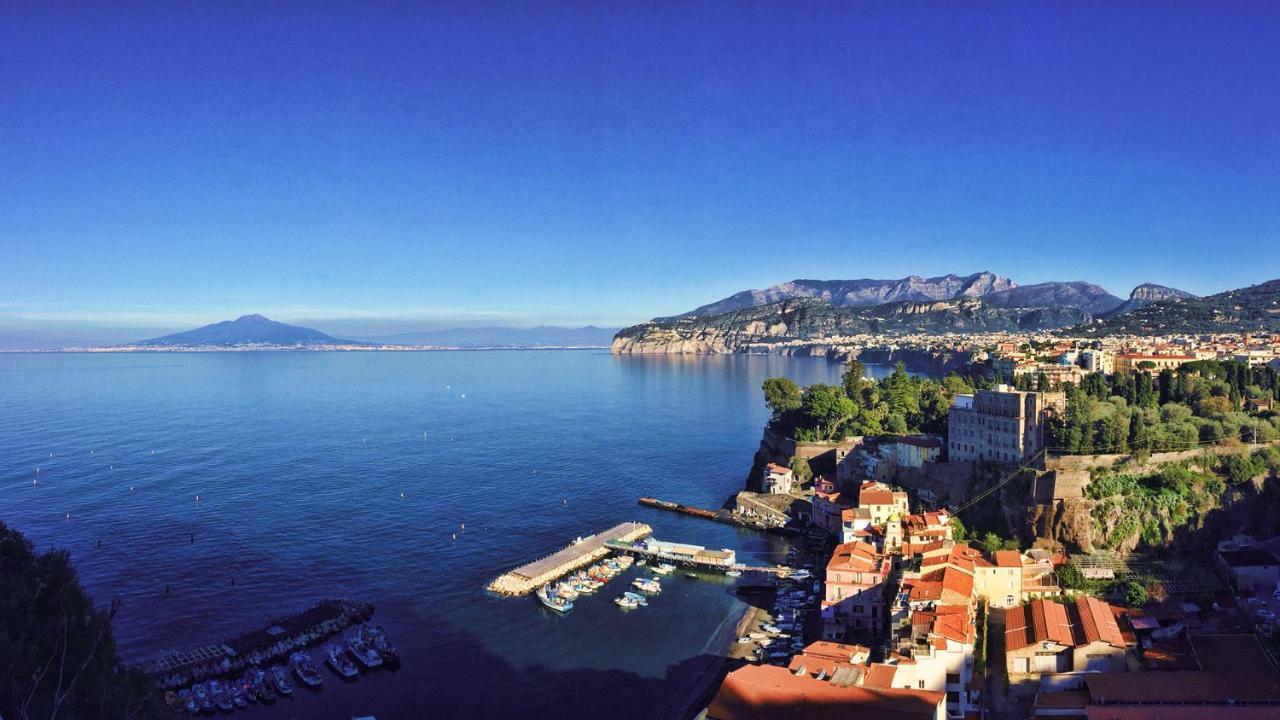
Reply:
x=252, y=484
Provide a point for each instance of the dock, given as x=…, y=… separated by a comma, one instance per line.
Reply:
x=723, y=516
x=693, y=560
x=531, y=576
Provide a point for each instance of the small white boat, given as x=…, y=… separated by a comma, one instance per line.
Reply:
x=641, y=562
x=664, y=569
x=625, y=602
x=733, y=573
x=637, y=597
x=555, y=602
x=649, y=585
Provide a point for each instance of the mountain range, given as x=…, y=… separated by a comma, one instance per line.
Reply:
x=809, y=310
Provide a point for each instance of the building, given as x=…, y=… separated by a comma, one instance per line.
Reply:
x=1251, y=570
x=853, y=597
x=1097, y=361
x=938, y=655
x=1132, y=362
x=768, y=692
x=911, y=451
x=883, y=502
x=1001, y=425
x=829, y=504
x=680, y=552
x=777, y=479
x=1045, y=637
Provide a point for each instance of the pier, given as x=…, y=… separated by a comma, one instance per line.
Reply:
x=696, y=557
x=721, y=515
x=269, y=644
x=531, y=576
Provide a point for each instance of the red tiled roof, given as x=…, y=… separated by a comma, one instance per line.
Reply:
x=767, y=692
x=1088, y=620
x=774, y=467
x=880, y=676
x=1008, y=558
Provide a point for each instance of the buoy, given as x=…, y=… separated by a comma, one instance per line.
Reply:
x=68, y=516
x=401, y=495
x=455, y=536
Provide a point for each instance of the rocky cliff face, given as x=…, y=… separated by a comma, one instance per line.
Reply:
x=810, y=320
x=1148, y=293
x=858, y=293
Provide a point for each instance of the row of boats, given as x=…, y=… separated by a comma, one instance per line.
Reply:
x=561, y=596
x=368, y=649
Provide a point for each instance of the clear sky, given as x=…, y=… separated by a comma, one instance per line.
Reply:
x=372, y=167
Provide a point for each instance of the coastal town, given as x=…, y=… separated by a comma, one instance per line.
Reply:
x=920, y=616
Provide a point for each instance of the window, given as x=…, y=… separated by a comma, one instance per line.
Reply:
x=953, y=678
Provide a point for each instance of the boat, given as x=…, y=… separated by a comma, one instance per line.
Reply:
x=376, y=636
x=364, y=654
x=187, y=702
x=566, y=591
x=201, y=693
x=261, y=686
x=691, y=575
x=641, y=562
x=306, y=670
x=625, y=602
x=554, y=602
x=664, y=568
x=756, y=636
x=280, y=680
x=640, y=599
x=219, y=695
x=171, y=701
x=733, y=573
x=649, y=585
x=342, y=665
x=237, y=694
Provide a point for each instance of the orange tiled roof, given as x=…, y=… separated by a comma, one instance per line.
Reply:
x=766, y=692
x=1008, y=558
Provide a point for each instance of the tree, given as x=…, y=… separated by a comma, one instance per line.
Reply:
x=58, y=654
x=958, y=531
x=829, y=409
x=781, y=395
x=1133, y=593
x=1071, y=577
x=854, y=379
x=800, y=467
x=991, y=542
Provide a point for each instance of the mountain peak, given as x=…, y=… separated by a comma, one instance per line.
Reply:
x=246, y=330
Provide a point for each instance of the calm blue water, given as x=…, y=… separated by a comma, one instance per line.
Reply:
x=300, y=461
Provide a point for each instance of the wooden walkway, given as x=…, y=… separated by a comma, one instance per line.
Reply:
x=531, y=576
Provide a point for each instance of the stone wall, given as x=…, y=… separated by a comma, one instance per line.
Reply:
x=1090, y=462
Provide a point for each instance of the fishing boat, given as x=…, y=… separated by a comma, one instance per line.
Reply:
x=261, y=686
x=218, y=694
x=280, y=680
x=554, y=602
x=664, y=568
x=306, y=670
x=236, y=692
x=650, y=585
x=640, y=599
x=625, y=602
x=364, y=654
x=342, y=665
x=376, y=636
x=187, y=702
x=201, y=692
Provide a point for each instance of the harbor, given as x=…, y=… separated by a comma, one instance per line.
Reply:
x=693, y=556
x=529, y=577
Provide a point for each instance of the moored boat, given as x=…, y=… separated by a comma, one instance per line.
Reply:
x=649, y=585
x=664, y=568
x=306, y=670
x=552, y=601
x=733, y=573
x=280, y=680
x=376, y=636
x=341, y=664
x=187, y=702
x=262, y=686
x=219, y=695
x=640, y=599
x=364, y=653
x=201, y=693
x=625, y=602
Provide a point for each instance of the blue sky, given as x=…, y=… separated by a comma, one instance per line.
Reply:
x=376, y=167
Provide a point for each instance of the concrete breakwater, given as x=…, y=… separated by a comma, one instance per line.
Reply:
x=264, y=646
x=584, y=551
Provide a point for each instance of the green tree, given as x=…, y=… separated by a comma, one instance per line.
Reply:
x=854, y=379
x=802, y=470
x=1133, y=593
x=829, y=409
x=781, y=395
x=1071, y=577
x=990, y=543
x=958, y=531
x=57, y=653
